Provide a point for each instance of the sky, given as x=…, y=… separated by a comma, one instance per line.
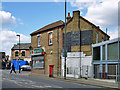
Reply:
x=24, y=17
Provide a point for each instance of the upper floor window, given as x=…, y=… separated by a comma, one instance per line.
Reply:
x=38, y=41
x=96, y=37
x=16, y=53
x=102, y=40
x=23, y=53
x=50, y=38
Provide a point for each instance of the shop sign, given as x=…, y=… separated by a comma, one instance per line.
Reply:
x=35, y=51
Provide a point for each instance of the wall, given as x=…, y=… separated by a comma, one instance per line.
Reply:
x=27, y=54
x=73, y=62
x=80, y=26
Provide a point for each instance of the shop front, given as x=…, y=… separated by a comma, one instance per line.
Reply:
x=38, y=61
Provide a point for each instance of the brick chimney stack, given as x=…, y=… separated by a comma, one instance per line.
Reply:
x=76, y=14
x=68, y=17
x=76, y=20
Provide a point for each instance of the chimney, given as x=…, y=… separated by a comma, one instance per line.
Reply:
x=18, y=44
x=68, y=17
x=76, y=20
x=76, y=14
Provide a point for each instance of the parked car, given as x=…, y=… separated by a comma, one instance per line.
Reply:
x=25, y=68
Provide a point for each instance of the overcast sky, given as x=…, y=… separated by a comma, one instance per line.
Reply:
x=25, y=17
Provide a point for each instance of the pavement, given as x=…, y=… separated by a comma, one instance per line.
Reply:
x=94, y=82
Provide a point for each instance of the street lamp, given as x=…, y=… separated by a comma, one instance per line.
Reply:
x=19, y=51
x=65, y=52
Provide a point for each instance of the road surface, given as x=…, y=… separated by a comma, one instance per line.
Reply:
x=24, y=81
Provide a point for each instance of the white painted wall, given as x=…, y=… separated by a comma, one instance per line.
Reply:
x=73, y=63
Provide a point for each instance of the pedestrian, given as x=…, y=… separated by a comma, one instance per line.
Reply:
x=13, y=69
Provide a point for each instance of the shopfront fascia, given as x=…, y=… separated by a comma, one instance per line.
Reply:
x=38, y=60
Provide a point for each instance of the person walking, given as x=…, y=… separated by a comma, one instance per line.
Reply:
x=13, y=69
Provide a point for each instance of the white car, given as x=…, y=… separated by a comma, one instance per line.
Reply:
x=25, y=68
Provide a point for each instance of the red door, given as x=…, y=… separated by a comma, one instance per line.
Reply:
x=51, y=70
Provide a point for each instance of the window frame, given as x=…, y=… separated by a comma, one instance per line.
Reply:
x=38, y=40
x=38, y=61
x=17, y=54
x=22, y=53
x=50, y=38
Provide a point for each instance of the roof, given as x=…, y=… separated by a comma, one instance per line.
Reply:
x=23, y=46
x=49, y=26
x=89, y=23
x=94, y=26
x=61, y=23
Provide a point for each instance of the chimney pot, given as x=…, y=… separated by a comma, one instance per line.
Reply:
x=68, y=17
x=68, y=14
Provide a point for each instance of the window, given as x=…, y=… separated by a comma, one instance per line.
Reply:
x=38, y=41
x=112, y=51
x=23, y=53
x=16, y=53
x=96, y=53
x=38, y=62
x=96, y=37
x=102, y=40
x=50, y=38
x=103, y=52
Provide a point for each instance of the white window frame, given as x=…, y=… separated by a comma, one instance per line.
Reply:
x=50, y=38
x=38, y=40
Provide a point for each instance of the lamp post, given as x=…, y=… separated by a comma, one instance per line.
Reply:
x=19, y=51
x=65, y=45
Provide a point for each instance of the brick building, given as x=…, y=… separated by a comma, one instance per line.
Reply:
x=2, y=60
x=24, y=52
x=46, y=40
x=81, y=34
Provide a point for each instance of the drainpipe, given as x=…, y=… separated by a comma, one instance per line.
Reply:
x=57, y=51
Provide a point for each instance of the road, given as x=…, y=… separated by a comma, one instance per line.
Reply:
x=24, y=81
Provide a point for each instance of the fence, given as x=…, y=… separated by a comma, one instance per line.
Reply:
x=76, y=72
x=109, y=72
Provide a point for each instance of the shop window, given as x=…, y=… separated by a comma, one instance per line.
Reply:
x=50, y=38
x=38, y=62
x=112, y=51
x=23, y=53
x=96, y=53
x=16, y=53
x=38, y=41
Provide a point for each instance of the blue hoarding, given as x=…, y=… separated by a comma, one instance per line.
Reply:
x=16, y=63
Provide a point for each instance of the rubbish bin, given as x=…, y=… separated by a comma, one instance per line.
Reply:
x=104, y=75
